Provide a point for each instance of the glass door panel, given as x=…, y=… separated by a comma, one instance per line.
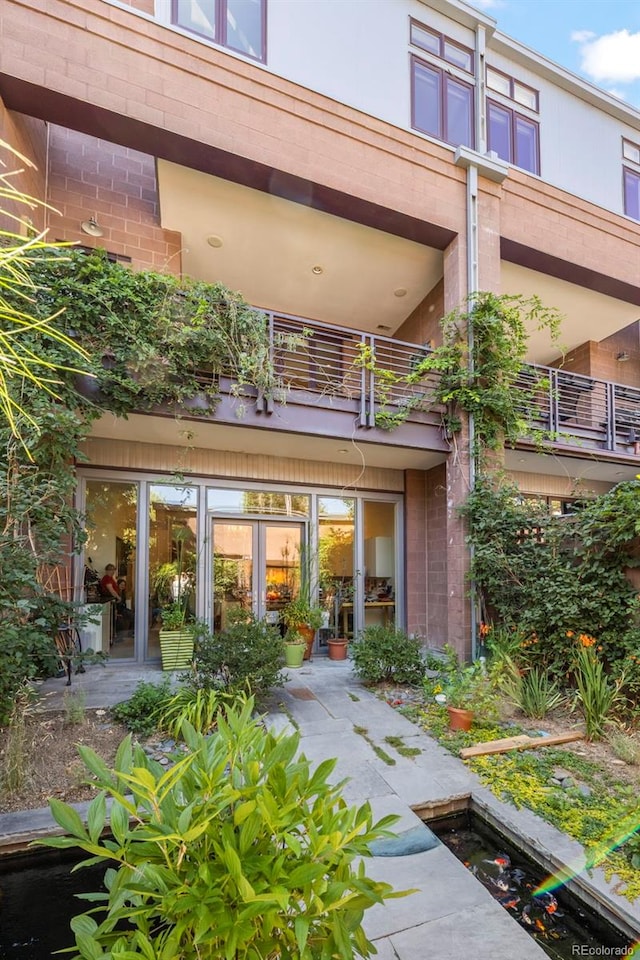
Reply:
x=110, y=558
x=281, y=548
x=234, y=550
x=379, y=563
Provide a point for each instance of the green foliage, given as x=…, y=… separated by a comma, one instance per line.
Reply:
x=156, y=338
x=14, y=758
x=139, y=713
x=532, y=691
x=470, y=688
x=174, y=615
x=239, y=851
x=248, y=653
x=75, y=702
x=554, y=576
x=199, y=708
x=385, y=653
x=597, y=694
x=301, y=612
x=478, y=382
x=625, y=746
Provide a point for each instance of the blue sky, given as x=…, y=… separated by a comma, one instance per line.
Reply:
x=597, y=39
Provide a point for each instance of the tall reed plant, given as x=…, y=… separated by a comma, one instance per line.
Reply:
x=597, y=693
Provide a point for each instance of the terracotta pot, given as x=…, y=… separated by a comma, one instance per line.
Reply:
x=309, y=635
x=460, y=719
x=337, y=649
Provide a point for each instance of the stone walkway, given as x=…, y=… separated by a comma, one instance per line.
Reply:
x=452, y=916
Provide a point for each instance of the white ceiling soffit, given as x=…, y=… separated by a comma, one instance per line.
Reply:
x=580, y=466
x=144, y=428
x=586, y=315
x=266, y=248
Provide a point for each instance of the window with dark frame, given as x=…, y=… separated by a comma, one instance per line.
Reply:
x=239, y=25
x=442, y=104
x=515, y=90
x=440, y=46
x=514, y=137
x=631, y=179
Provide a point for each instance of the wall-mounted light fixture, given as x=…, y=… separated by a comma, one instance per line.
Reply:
x=92, y=227
x=623, y=356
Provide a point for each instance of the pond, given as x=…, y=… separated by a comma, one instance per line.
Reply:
x=562, y=926
x=37, y=901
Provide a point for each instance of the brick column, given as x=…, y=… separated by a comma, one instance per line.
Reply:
x=416, y=557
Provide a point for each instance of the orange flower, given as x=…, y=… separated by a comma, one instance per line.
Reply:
x=485, y=629
x=586, y=640
x=569, y=633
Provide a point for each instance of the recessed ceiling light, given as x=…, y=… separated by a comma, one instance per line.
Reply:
x=214, y=240
x=400, y=292
x=343, y=450
x=317, y=270
x=383, y=326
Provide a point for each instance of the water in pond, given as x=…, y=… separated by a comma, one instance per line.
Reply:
x=560, y=925
x=37, y=901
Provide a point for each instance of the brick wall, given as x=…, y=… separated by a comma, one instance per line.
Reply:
x=415, y=553
x=91, y=177
x=436, y=520
x=423, y=324
x=28, y=137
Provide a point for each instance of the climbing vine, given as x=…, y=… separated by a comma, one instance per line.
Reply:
x=553, y=579
x=475, y=376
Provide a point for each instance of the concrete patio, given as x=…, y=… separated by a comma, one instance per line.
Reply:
x=451, y=915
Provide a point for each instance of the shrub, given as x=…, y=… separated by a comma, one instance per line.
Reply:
x=248, y=653
x=240, y=850
x=199, y=708
x=596, y=693
x=385, y=653
x=139, y=713
x=532, y=691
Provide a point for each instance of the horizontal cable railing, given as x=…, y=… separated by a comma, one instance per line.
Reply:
x=572, y=407
x=380, y=375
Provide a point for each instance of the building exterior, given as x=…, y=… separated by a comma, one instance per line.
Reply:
x=355, y=170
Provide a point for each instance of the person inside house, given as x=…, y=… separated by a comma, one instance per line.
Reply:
x=124, y=616
x=109, y=584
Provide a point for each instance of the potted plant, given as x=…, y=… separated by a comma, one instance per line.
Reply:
x=301, y=615
x=338, y=648
x=469, y=692
x=295, y=646
x=176, y=636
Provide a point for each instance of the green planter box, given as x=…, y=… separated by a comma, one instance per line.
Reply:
x=176, y=647
x=294, y=654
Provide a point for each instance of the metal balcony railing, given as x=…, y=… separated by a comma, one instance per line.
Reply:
x=324, y=364
x=572, y=408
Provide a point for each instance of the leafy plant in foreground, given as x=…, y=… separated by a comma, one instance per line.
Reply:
x=240, y=850
x=597, y=693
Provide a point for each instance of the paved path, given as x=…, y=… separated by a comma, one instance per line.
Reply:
x=452, y=916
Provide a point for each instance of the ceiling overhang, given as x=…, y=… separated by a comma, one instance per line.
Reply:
x=287, y=256
x=210, y=435
x=587, y=314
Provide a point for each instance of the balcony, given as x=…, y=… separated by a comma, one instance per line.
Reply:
x=340, y=382
x=570, y=409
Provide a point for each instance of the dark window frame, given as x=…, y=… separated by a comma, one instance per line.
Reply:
x=512, y=81
x=630, y=172
x=444, y=76
x=220, y=38
x=513, y=114
x=636, y=146
x=442, y=40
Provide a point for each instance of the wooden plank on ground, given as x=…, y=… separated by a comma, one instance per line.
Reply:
x=517, y=743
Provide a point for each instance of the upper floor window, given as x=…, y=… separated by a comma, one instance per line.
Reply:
x=513, y=137
x=513, y=89
x=440, y=46
x=442, y=105
x=237, y=24
x=631, y=179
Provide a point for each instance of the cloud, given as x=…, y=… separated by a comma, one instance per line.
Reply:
x=581, y=36
x=617, y=93
x=611, y=58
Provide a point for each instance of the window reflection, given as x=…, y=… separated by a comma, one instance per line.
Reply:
x=379, y=563
x=336, y=540
x=172, y=554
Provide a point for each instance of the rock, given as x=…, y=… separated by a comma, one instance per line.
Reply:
x=561, y=774
x=584, y=789
x=619, y=763
x=164, y=761
x=567, y=783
